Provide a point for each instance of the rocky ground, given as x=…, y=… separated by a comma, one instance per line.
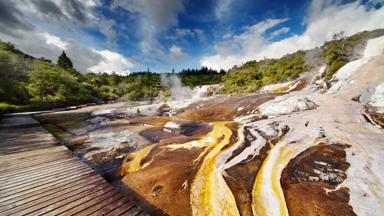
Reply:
x=306, y=147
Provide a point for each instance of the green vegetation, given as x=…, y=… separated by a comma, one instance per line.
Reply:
x=252, y=75
x=49, y=84
x=341, y=49
x=64, y=61
x=7, y=108
x=199, y=77
x=13, y=75
x=136, y=86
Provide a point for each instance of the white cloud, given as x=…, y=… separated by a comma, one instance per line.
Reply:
x=39, y=43
x=280, y=31
x=84, y=59
x=56, y=41
x=176, y=53
x=235, y=49
x=324, y=18
x=153, y=17
x=182, y=33
x=75, y=11
x=68, y=16
x=376, y=1
x=222, y=7
x=112, y=62
x=200, y=34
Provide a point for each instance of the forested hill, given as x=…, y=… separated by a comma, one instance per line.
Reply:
x=30, y=83
x=334, y=54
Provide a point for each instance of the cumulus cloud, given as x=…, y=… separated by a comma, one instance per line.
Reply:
x=70, y=9
x=84, y=59
x=15, y=27
x=153, y=17
x=75, y=11
x=69, y=15
x=176, y=53
x=112, y=62
x=324, y=18
x=11, y=20
x=201, y=35
x=280, y=31
x=183, y=33
x=222, y=7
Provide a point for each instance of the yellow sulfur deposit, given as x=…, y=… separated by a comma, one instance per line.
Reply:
x=267, y=194
x=210, y=194
x=135, y=163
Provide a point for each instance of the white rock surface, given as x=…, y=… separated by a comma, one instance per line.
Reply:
x=172, y=125
x=286, y=104
x=344, y=76
x=377, y=98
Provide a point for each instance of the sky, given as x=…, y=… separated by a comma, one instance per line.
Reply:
x=124, y=36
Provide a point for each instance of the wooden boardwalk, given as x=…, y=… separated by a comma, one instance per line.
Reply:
x=38, y=176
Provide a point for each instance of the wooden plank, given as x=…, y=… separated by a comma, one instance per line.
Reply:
x=47, y=198
x=46, y=175
x=54, y=189
x=17, y=121
x=45, y=186
x=36, y=152
x=28, y=167
x=63, y=205
x=98, y=208
x=35, y=155
x=37, y=171
x=123, y=203
x=90, y=203
x=23, y=149
x=143, y=214
x=59, y=201
x=25, y=141
x=40, y=176
x=55, y=178
x=133, y=211
x=25, y=173
x=32, y=161
x=122, y=208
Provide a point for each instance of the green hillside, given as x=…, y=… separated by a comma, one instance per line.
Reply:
x=252, y=75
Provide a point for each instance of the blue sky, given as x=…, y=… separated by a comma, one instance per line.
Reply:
x=199, y=16
x=132, y=35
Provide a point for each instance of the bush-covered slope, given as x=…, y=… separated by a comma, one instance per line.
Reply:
x=334, y=54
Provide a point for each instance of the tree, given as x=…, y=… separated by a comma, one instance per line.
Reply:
x=51, y=84
x=340, y=37
x=64, y=61
x=13, y=75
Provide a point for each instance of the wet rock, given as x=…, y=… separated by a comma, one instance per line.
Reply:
x=306, y=123
x=156, y=190
x=357, y=98
x=97, y=120
x=374, y=117
x=164, y=110
x=286, y=104
x=311, y=179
